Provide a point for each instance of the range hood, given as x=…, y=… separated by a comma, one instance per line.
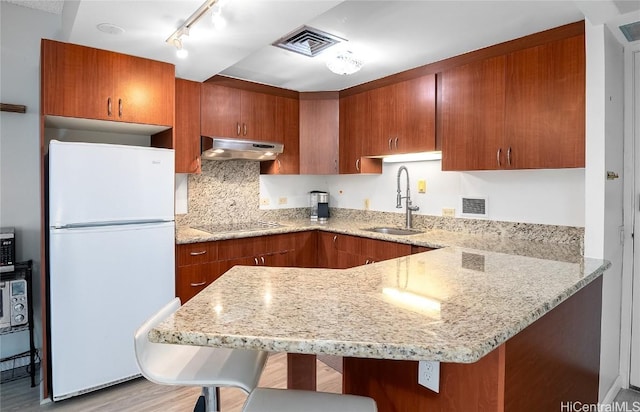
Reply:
x=217, y=148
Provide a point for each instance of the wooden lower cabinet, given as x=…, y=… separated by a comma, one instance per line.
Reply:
x=338, y=251
x=199, y=264
x=552, y=362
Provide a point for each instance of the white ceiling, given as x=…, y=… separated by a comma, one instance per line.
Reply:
x=390, y=36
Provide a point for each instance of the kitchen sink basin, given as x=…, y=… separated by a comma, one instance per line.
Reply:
x=394, y=231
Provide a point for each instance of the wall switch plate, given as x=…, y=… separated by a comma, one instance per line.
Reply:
x=422, y=186
x=264, y=201
x=448, y=212
x=282, y=201
x=429, y=375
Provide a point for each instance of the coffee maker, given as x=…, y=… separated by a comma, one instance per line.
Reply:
x=319, y=204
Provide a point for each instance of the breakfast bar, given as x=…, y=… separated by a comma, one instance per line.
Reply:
x=511, y=332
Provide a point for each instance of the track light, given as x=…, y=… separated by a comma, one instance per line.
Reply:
x=183, y=30
x=181, y=52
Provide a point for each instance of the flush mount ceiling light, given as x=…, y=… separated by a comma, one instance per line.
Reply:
x=344, y=63
x=110, y=28
x=176, y=38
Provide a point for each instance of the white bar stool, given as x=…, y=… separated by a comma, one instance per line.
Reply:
x=291, y=400
x=185, y=365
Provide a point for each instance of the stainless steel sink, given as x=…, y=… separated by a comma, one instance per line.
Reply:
x=394, y=231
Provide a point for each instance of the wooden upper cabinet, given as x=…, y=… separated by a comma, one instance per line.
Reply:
x=89, y=83
x=237, y=113
x=259, y=116
x=319, y=130
x=144, y=90
x=545, y=105
x=521, y=110
x=472, y=111
x=355, y=135
x=288, y=126
x=403, y=117
x=76, y=81
x=187, y=127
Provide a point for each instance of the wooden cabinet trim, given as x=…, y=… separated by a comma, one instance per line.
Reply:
x=250, y=86
x=536, y=39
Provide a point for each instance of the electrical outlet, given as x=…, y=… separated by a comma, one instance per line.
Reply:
x=448, y=212
x=366, y=204
x=429, y=375
x=422, y=186
x=282, y=201
x=264, y=201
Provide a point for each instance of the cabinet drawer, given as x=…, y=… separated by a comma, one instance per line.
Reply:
x=192, y=279
x=195, y=253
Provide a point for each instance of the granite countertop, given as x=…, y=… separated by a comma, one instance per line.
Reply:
x=429, y=238
x=454, y=304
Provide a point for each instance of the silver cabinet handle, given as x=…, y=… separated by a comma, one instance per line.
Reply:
x=238, y=128
x=390, y=143
x=119, y=107
x=335, y=238
x=509, y=156
x=279, y=163
x=358, y=164
x=202, y=252
x=396, y=143
x=335, y=165
x=244, y=129
x=255, y=259
x=198, y=284
x=109, y=106
x=262, y=257
x=498, y=153
x=366, y=262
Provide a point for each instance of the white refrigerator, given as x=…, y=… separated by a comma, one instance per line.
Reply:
x=111, y=258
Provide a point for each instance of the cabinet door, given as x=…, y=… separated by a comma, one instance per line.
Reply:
x=77, y=81
x=187, y=127
x=378, y=250
x=144, y=90
x=220, y=111
x=288, y=117
x=319, y=131
x=258, y=116
x=354, y=114
x=545, y=105
x=327, y=253
x=415, y=115
x=306, y=249
x=382, y=121
x=472, y=115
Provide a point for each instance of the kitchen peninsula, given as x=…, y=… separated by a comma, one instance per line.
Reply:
x=513, y=330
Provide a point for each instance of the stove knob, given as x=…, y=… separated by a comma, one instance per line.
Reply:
x=18, y=307
x=19, y=318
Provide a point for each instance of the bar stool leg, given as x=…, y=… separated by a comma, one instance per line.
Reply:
x=212, y=398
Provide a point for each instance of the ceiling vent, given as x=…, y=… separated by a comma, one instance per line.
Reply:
x=631, y=31
x=307, y=41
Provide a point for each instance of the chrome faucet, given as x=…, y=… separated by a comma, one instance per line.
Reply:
x=409, y=207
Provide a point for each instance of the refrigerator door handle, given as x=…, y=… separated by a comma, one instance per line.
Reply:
x=110, y=223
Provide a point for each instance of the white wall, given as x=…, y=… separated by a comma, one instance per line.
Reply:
x=554, y=197
x=604, y=198
x=20, y=33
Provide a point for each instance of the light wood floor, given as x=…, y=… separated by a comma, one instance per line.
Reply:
x=141, y=395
